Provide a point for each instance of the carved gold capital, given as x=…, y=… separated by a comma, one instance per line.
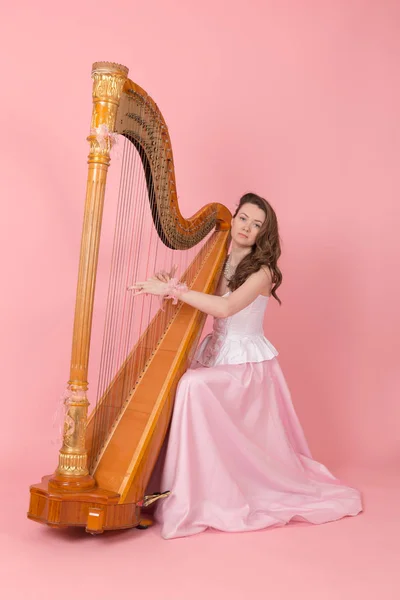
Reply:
x=108, y=82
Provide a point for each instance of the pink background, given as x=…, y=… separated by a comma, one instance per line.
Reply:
x=297, y=100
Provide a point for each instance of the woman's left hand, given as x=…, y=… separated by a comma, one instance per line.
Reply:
x=152, y=286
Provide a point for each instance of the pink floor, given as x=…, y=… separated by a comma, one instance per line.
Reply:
x=356, y=558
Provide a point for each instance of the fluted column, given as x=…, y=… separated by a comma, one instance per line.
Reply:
x=108, y=81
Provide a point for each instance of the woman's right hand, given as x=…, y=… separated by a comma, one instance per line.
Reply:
x=164, y=275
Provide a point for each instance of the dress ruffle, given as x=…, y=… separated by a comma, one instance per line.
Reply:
x=219, y=349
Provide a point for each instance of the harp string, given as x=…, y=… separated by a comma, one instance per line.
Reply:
x=137, y=253
x=130, y=373
x=135, y=367
x=150, y=268
x=156, y=266
x=133, y=372
x=148, y=306
x=127, y=306
x=121, y=270
x=161, y=252
x=109, y=408
x=109, y=333
x=165, y=253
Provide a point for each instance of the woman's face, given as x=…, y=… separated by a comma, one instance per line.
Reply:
x=246, y=225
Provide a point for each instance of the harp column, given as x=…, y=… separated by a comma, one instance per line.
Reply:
x=108, y=81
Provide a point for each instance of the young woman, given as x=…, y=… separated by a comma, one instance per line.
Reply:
x=237, y=459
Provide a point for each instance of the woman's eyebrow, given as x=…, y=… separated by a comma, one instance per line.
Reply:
x=244, y=214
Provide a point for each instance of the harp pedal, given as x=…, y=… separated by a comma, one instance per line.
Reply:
x=145, y=523
x=148, y=500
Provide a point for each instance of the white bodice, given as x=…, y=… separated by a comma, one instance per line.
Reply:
x=238, y=339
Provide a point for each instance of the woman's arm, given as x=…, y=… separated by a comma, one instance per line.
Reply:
x=221, y=307
x=216, y=306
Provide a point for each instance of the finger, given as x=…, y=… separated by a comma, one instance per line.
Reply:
x=162, y=276
x=136, y=286
x=173, y=270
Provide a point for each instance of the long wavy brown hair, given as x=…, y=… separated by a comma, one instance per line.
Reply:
x=266, y=250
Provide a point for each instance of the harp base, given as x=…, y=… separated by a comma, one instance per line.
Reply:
x=96, y=510
x=62, y=482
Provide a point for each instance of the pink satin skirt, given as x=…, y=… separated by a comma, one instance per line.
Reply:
x=237, y=459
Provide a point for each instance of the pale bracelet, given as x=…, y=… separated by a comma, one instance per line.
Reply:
x=174, y=287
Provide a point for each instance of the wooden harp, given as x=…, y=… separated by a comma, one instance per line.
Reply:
x=106, y=460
